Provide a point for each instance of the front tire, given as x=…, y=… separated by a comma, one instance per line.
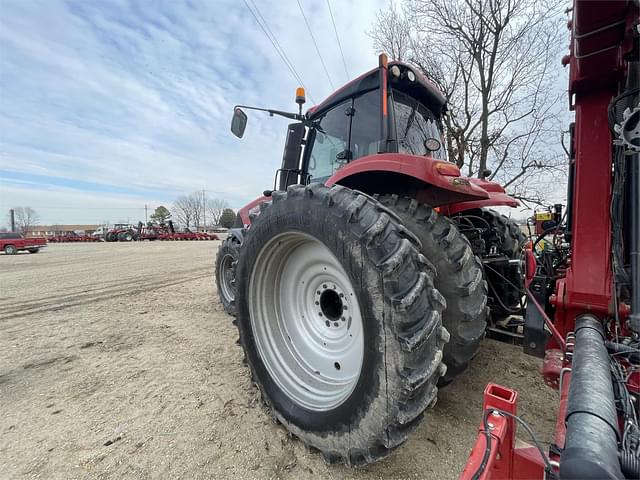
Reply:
x=10, y=249
x=226, y=262
x=351, y=369
x=459, y=279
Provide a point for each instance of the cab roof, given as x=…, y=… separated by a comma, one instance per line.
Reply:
x=422, y=89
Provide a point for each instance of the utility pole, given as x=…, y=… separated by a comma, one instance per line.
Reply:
x=12, y=214
x=146, y=220
x=204, y=208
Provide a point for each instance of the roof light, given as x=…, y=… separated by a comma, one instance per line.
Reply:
x=411, y=76
x=395, y=71
x=300, y=96
x=432, y=144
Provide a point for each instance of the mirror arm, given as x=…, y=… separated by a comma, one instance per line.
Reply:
x=293, y=116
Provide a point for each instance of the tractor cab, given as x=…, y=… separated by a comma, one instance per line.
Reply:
x=387, y=110
x=380, y=133
x=390, y=109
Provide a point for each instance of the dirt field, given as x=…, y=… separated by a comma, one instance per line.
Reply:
x=116, y=361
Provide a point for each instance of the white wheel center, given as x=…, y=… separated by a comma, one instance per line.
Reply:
x=306, y=321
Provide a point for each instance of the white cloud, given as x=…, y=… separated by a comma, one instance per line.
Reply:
x=140, y=96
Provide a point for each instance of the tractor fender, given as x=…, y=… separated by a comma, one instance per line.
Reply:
x=497, y=198
x=428, y=180
x=249, y=209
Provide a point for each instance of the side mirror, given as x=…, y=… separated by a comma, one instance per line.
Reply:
x=238, y=122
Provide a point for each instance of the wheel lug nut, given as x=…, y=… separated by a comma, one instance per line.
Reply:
x=343, y=319
x=317, y=303
x=335, y=324
x=327, y=323
x=320, y=313
x=324, y=286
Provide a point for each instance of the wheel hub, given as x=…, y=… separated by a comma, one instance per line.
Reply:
x=228, y=278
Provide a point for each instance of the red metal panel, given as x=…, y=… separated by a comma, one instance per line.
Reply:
x=506, y=459
x=588, y=281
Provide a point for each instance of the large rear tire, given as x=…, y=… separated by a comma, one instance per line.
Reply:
x=459, y=279
x=226, y=262
x=339, y=321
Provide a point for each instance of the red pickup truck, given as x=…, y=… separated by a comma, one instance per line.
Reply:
x=12, y=243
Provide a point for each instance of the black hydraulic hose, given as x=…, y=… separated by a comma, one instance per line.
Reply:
x=633, y=354
x=570, y=189
x=634, y=250
x=544, y=234
x=591, y=445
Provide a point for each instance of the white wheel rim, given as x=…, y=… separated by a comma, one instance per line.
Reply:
x=227, y=278
x=306, y=321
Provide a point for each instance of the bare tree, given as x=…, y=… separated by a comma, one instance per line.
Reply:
x=215, y=207
x=26, y=218
x=493, y=60
x=197, y=200
x=182, y=211
x=189, y=210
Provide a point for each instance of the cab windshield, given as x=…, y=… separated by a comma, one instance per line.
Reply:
x=415, y=124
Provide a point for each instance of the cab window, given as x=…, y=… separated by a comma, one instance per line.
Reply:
x=330, y=145
x=365, y=125
x=415, y=124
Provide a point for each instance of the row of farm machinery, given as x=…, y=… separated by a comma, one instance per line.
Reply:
x=367, y=278
x=134, y=233
x=151, y=232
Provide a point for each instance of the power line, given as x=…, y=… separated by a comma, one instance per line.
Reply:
x=276, y=45
x=344, y=63
x=273, y=39
x=316, y=45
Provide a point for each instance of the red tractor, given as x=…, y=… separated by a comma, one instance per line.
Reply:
x=121, y=232
x=363, y=281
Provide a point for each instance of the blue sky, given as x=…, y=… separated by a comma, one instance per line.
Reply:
x=108, y=105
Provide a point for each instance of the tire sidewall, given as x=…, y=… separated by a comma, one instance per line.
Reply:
x=333, y=232
x=10, y=250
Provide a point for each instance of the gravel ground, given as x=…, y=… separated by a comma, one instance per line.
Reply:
x=117, y=361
